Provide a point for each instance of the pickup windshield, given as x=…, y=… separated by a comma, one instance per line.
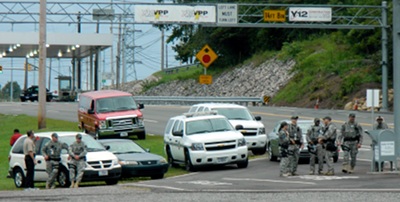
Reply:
x=114, y=104
x=208, y=126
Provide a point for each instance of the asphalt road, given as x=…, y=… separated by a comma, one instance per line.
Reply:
x=258, y=182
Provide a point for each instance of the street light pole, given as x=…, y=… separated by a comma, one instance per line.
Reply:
x=42, y=66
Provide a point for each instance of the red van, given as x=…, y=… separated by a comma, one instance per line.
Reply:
x=110, y=113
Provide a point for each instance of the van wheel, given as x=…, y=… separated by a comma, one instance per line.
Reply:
x=19, y=178
x=188, y=163
x=141, y=135
x=63, y=177
x=271, y=155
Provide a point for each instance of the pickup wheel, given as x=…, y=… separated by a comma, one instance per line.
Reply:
x=188, y=163
x=243, y=164
x=19, y=178
x=141, y=135
x=158, y=176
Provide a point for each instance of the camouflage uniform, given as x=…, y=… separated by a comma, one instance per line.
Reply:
x=295, y=134
x=77, y=166
x=53, y=151
x=315, y=149
x=284, y=144
x=329, y=137
x=381, y=126
x=351, y=136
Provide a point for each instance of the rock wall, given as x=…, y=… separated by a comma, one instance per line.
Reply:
x=246, y=80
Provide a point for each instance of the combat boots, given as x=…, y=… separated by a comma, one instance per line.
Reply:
x=330, y=173
x=351, y=170
x=76, y=185
x=345, y=169
x=72, y=184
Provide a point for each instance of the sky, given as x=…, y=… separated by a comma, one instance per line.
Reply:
x=149, y=53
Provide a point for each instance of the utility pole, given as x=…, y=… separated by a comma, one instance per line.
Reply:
x=42, y=66
x=162, y=49
x=118, y=55
x=78, y=51
x=396, y=71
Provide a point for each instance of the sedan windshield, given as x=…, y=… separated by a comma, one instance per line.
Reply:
x=92, y=144
x=235, y=113
x=124, y=147
x=114, y=104
x=207, y=126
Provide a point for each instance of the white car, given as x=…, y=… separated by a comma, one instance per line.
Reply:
x=202, y=139
x=101, y=165
x=253, y=129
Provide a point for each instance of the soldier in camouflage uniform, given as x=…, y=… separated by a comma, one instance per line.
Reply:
x=327, y=140
x=296, y=139
x=315, y=149
x=284, y=145
x=351, y=139
x=77, y=164
x=380, y=125
x=52, y=154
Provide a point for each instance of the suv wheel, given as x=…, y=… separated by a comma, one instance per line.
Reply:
x=188, y=163
x=170, y=158
x=63, y=177
x=260, y=151
x=243, y=164
x=112, y=182
x=158, y=176
x=19, y=178
x=270, y=154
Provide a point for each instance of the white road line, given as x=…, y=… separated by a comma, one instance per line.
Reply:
x=179, y=176
x=155, y=186
x=300, y=190
x=151, y=121
x=268, y=180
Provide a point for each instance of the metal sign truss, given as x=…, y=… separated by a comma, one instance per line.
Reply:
x=249, y=15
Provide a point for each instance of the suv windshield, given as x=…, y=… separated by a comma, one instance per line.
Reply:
x=114, y=104
x=92, y=144
x=207, y=126
x=235, y=113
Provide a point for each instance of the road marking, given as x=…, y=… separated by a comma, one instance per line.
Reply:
x=321, y=177
x=179, y=176
x=155, y=186
x=151, y=121
x=204, y=182
x=269, y=180
x=299, y=190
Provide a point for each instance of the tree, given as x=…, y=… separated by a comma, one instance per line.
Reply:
x=6, y=90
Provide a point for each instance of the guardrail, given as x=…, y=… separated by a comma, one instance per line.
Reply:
x=193, y=100
x=177, y=68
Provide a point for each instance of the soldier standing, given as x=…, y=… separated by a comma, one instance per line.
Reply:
x=29, y=149
x=77, y=155
x=351, y=139
x=315, y=149
x=328, y=139
x=284, y=145
x=52, y=154
x=295, y=136
x=380, y=124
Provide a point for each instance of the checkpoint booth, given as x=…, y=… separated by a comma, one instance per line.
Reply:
x=384, y=149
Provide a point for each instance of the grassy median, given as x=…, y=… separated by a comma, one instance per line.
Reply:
x=24, y=123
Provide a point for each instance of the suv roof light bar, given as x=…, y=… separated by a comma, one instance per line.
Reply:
x=193, y=114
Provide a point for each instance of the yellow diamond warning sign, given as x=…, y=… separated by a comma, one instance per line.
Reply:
x=206, y=56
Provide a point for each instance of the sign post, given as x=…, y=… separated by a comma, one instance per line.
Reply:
x=372, y=101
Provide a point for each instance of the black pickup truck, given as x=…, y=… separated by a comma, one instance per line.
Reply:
x=32, y=94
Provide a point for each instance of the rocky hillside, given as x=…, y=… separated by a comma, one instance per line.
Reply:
x=246, y=80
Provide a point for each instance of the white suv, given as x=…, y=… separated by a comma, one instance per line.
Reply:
x=101, y=165
x=198, y=139
x=253, y=129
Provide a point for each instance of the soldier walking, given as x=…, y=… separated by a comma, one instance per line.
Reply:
x=77, y=164
x=315, y=149
x=380, y=124
x=327, y=140
x=350, y=139
x=295, y=136
x=284, y=145
x=52, y=154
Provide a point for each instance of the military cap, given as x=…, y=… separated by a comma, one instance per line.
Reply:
x=54, y=135
x=79, y=136
x=379, y=118
x=352, y=115
x=284, y=124
x=295, y=117
x=328, y=118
